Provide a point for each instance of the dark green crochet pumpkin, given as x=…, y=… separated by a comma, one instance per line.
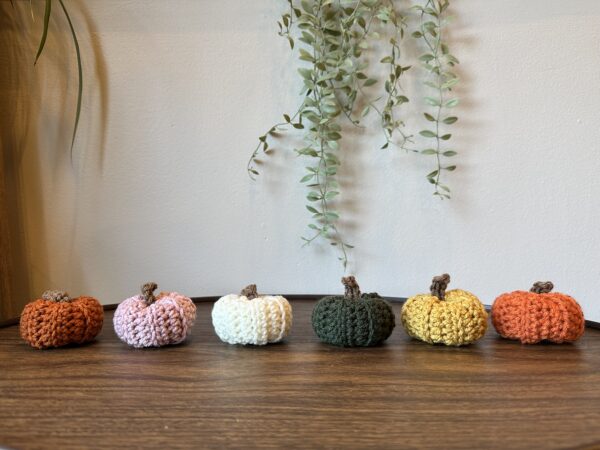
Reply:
x=353, y=320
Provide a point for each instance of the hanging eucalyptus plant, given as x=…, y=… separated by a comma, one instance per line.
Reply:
x=439, y=63
x=335, y=38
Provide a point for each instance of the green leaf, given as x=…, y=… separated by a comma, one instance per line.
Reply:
x=429, y=151
x=305, y=73
x=305, y=56
x=313, y=196
x=452, y=59
x=445, y=137
x=47, y=13
x=450, y=168
x=370, y=82
x=451, y=103
x=307, y=37
x=306, y=6
x=432, y=101
x=79, y=73
x=308, y=177
x=307, y=151
x=450, y=153
x=448, y=84
x=311, y=209
x=429, y=117
x=450, y=120
x=428, y=134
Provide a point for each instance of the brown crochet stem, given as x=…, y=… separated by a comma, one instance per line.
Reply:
x=56, y=296
x=250, y=292
x=352, y=290
x=542, y=287
x=148, y=292
x=439, y=285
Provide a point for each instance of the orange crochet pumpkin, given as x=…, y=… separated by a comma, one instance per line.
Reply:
x=56, y=320
x=538, y=315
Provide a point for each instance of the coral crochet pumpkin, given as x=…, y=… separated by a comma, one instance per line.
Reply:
x=149, y=321
x=353, y=320
x=250, y=318
x=455, y=317
x=56, y=320
x=538, y=315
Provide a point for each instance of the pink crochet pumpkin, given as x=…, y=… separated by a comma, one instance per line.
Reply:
x=149, y=321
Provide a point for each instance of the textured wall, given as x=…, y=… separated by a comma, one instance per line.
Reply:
x=176, y=94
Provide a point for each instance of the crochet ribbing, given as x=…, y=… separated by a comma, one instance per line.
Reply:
x=250, y=318
x=355, y=320
x=148, y=321
x=459, y=319
x=56, y=320
x=538, y=315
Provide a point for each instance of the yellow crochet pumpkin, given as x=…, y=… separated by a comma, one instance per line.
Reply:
x=455, y=317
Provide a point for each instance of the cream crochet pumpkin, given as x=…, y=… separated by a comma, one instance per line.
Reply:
x=250, y=318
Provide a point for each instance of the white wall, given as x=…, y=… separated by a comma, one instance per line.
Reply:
x=176, y=94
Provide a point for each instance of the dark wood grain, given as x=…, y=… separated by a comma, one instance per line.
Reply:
x=17, y=107
x=299, y=394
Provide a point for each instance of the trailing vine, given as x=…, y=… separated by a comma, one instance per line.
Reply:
x=438, y=61
x=335, y=37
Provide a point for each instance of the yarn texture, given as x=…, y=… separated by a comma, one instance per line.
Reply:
x=250, y=318
x=454, y=317
x=538, y=315
x=148, y=321
x=353, y=320
x=56, y=320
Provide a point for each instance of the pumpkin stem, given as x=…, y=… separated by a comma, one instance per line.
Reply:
x=542, y=287
x=56, y=296
x=250, y=292
x=439, y=285
x=352, y=289
x=148, y=292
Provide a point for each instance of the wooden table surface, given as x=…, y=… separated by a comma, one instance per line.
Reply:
x=300, y=393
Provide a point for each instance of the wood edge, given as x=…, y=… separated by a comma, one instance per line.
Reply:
x=214, y=298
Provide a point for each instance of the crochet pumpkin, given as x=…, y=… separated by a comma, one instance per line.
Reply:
x=56, y=320
x=353, y=320
x=455, y=317
x=538, y=315
x=250, y=318
x=153, y=321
